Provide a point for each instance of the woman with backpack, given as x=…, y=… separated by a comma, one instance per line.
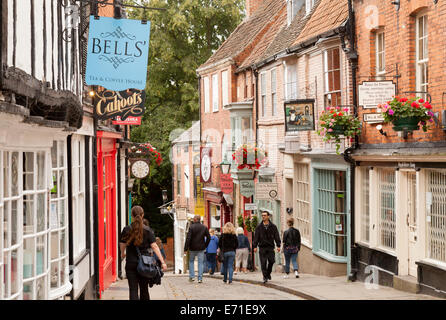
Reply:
x=137, y=235
x=227, y=244
x=291, y=247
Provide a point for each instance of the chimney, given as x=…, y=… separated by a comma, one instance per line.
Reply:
x=251, y=6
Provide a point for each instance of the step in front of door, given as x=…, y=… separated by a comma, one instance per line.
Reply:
x=406, y=284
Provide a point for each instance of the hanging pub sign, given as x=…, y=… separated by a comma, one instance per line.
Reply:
x=123, y=104
x=134, y=121
x=118, y=50
x=205, y=164
x=226, y=183
x=373, y=93
x=299, y=115
x=247, y=188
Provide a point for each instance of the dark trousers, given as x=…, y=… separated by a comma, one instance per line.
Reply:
x=212, y=261
x=267, y=259
x=135, y=281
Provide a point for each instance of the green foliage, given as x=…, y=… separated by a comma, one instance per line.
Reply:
x=335, y=123
x=405, y=108
x=181, y=39
x=248, y=224
x=240, y=221
x=254, y=223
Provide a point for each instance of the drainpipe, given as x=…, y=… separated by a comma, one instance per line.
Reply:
x=352, y=56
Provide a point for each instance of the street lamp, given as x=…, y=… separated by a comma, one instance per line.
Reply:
x=225, y=165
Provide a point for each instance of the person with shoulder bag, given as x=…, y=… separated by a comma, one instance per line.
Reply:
x=136, y=242
x=227, y=245
x=291, y=247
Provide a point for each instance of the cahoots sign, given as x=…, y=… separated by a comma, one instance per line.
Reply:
x=110, y=104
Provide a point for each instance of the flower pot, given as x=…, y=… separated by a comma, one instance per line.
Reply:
x=407, y=123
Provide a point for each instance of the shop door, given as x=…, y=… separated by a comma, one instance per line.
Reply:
x=412, y=220
x=107, y=213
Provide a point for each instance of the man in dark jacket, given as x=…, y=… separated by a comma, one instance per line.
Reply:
x=265, y=235
x=197, y=240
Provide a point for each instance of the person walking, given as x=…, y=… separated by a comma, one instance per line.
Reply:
x=265, y=235
x=242, y=252
x=141, y=236
x=228, y=244
x=197, y=240
x=160, y=245
x=291, y=247
x=211, y=253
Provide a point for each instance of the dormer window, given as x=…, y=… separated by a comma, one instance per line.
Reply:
x=293, y=6
x=309, y=5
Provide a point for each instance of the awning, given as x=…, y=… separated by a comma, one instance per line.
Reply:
x=228, y=199
x=211, y=189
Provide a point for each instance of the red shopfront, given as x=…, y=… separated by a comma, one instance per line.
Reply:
x=107, y=208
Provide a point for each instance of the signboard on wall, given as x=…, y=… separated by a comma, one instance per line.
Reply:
x=205, y=164
x=134, y=121
x=266, y=191
x=226, y=183
x=123, y=104
x=373, y=117
x=198, y=192
x=373, y=93
x=299, y=115
x=117, y=54
x=250, y=206
x=247, y=188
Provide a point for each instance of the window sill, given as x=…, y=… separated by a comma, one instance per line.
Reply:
x=389, y=252
x=329, y=257
x=61, y=291
x=434, y=263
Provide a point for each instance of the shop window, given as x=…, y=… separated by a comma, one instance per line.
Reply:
x=422, y=55
x=380, y=56
x=59, y=217
x=331, y=213
x=78, y=195
x=386, y=208
x=302, y=196
x=365, y=205
x=215, y=211
x=332, y=76
x=436, y=215
x=273, y=92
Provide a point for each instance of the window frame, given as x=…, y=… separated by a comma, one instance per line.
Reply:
x=273, y=80
x=206, y=95
x=380, y=73
x=224, y=88
x=215, y=97
x=419, y=63
x=327, y=90
x=263, y=90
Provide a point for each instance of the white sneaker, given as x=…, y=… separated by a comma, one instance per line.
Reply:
x=285, y=276
x=296, y=274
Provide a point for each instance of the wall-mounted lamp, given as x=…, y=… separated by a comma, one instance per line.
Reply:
x=397, y=4
x=225, y=165
x=380, y=129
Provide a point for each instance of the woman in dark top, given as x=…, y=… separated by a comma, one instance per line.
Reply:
x=228, y=243
x=291, y=247
x=137, y=234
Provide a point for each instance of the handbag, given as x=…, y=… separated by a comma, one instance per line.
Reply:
x=291, y=249
x=147, y=266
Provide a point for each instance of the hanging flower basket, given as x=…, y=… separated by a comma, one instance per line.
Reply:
x=336, y=122
x=146, y=150
x=249, y=157
x=407, y=114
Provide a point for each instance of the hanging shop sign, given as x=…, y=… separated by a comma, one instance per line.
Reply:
x=247, y=188
x=118, y=50
x=373, y=93
x=198, y=191
x=226, y=183
x=299, y=115
x=205, y=164
x=266, y=191
x=134, y=121
x=123, y=104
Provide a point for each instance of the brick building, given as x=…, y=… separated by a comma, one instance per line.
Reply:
x=400, y=180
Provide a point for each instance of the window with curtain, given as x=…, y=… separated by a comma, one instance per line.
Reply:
x=332, y=76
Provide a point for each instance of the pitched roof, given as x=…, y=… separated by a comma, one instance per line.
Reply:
x=246, y=32
x=191, y=134
x=264, y=43
x=328, y=16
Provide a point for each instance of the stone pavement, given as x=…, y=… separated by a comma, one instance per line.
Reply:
x=314, y=287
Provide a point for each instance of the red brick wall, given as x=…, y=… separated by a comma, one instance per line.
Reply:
x=168, y=248
x=399, y=28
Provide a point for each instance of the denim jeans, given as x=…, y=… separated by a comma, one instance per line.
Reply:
x=192, y=255
x=228, y=265
x=211, y=261
x=292, y=257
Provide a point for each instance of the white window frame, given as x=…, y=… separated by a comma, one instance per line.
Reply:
x=78, y=195
x=263, y=93
x=302, y=199
x=274, y=92
x=327, y=91
x=290, y=81
x=206, y=95
x=186, y=173
x=380, y=52
x=422, y=63
x=224, y=87
x=215, y=97
x=308, y=6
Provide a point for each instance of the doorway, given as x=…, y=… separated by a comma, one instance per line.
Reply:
x=411, y=180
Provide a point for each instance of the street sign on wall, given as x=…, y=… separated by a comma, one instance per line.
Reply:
x=373, y=93
x=117, y=54
x=266, y=191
